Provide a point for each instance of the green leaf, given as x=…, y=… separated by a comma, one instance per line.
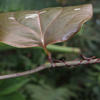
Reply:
x=13, y=96
x=12, y=85
x=46, y=92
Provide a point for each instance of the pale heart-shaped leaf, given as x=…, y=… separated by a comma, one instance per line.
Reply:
x=43, y=27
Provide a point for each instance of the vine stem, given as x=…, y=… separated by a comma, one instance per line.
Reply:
x=67, y=64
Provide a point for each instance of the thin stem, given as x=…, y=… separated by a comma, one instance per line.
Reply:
x=52, y=48
x=42, y=67
x=49, y=56
x=63, y=49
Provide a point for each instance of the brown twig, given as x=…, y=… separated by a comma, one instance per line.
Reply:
x=42, y=67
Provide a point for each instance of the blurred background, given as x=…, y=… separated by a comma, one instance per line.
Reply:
x=79, y=83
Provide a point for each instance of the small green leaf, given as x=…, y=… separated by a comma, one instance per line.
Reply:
x=13, y=96
x=11, y=85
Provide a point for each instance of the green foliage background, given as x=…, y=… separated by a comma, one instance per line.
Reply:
x=80, y=83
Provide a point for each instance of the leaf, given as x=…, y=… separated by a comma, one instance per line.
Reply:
x=40, y=28
x=13, y=96
x=47, y=92
x=12, y=85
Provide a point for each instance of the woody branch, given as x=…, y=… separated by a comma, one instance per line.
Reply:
x=67, y=64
